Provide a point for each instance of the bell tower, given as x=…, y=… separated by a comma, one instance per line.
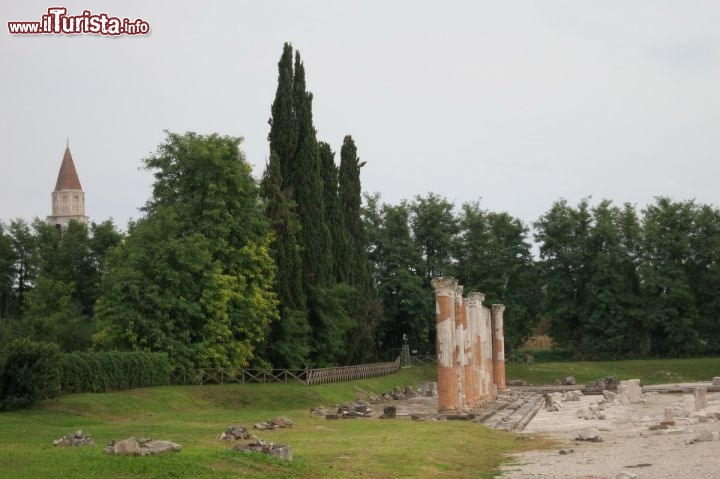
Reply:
x=68, y=198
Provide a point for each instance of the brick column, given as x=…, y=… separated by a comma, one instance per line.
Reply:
x=498, y=339
x=445, y=325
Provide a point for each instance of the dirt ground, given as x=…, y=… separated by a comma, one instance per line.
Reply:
x=631, y=446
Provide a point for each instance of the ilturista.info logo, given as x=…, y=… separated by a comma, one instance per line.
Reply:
x=57, y=22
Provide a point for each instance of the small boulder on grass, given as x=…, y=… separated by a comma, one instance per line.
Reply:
x=278, y=450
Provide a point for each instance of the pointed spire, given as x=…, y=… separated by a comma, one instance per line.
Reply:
x=67, y=177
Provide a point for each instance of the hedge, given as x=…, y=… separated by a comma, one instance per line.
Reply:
x=114, y=371
x=29, y=372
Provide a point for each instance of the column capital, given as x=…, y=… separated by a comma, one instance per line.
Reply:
x=498, y=308
x=475, y=297
x=443, y=286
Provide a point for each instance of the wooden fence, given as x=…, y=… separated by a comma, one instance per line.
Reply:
x=305, y=376
x=520, y=359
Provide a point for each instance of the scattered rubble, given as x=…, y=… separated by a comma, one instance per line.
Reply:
x=608, y=382
x=570, y=381
x=389, y=412
x=76, y=438
x=279, y=422
x=277, y=450
x=351, y=410
x=141, y=447
x=233, y=433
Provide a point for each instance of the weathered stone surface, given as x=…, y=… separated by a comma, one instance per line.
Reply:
x=74, y=439
x=668, y=415
x=716, y=381
x=702, y=436
x=158, y=447
x=609, y=395
x=389, y=412
x=233, y=433
x=141, y=447
x=701, y=398
x=570, y=380
x=356, y=409
x=630, y=388
x=626, y=475
x=278, y=450
x=591, y=434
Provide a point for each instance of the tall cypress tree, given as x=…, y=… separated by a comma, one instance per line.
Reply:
x=283, y=136
x=306, y=181
x=333, y=212
x=365, y=307
x=289, y=337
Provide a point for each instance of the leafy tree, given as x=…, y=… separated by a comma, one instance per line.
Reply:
x=434, y=228
x=493, y=257
x=563, y=234
x=194, y=277
x=667, y=263
x=407, y=304
x=7, y=261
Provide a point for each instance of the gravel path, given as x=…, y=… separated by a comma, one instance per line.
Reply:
x=631, y=445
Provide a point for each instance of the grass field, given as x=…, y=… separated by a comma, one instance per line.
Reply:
x=194, y=416
x=649, y=371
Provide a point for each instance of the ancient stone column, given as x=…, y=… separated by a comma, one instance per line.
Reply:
x=445, y=326
x=460, y=361
x=474, y=310
x=498, y=339
x=701, y=401
x=487, y=354
x=469, y=339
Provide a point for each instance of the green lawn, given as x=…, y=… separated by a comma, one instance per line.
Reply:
x=649, y=371
x=195, y=415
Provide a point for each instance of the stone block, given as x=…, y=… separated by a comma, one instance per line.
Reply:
x=701, y=398
x=631, y=388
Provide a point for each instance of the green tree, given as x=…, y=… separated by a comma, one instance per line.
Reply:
x=194, y=277
x=434, y=228
x=407, y=304
x=563, y=234
x=666, y=287
x=356, y=271
x=494, y=258
x=288, y=344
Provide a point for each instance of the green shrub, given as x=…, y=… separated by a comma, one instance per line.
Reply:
x=29, y=372
x=113, y=371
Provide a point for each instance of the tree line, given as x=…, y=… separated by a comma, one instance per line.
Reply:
x=300, y=268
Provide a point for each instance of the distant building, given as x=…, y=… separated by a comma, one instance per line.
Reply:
x=68, y=198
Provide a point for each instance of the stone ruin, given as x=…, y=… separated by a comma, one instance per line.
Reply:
x=141, y=447
x=470, y=349
x=236, y=433
x=74, y=439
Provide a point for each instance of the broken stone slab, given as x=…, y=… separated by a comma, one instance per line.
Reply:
x=141, y=447
x=716, y=381
x=277, y=450
x=701, y=401
x=583, y=414
x=609, y=395
x=75, y=439
x=590, y=434
x=703, y=436
x=570, y=381
x=233, y=433
x=630, y=388
x=626, y=475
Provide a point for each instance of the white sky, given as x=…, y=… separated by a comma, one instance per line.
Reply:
x=515, y=103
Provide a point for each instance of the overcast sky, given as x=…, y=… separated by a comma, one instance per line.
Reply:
x=513, y=103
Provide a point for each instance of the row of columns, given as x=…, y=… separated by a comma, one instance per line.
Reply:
x=470, y=348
